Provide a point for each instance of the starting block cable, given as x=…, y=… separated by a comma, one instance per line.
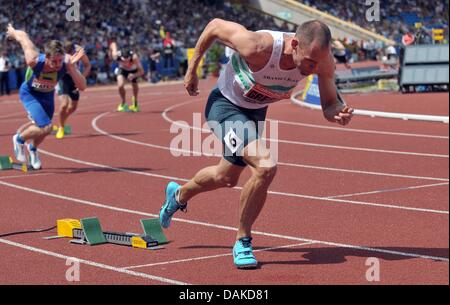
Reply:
x=27, y=232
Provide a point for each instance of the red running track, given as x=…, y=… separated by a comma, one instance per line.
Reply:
x=377, y=188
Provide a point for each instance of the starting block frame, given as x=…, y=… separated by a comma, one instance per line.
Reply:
x=89, y=231
x=7, y=163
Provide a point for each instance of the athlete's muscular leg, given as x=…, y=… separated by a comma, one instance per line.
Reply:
x=135, y=91
x=121, y=87
x=225, y=174
x=35, y=134
x=63, y=109
x=254, y=193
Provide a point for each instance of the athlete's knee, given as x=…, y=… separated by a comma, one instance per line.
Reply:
x=64, y=103
x=120, y=83
x=72, y=107
x=266, y=168
x=266, y=173
x=46, y=130
x=227, y=180
x=63, y=108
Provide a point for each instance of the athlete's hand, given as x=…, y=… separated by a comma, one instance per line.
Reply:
x=191, y=83
x=77, y=56
x=131, y=76
x=71, y=60
x=341, y=115
x=10, y=32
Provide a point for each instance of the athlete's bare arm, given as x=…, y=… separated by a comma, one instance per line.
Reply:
x=86, y=64
x=29, y=49
x=333, y=108
x=114, y=52
x=140, y=69
x=250, y=45
x=77, y=77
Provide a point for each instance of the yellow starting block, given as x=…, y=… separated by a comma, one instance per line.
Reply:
x=89, y=231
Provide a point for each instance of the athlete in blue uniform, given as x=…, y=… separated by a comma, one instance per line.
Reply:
x=37, y=91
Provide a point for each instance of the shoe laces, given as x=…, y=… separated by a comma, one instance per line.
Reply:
x=246, y=243
x=183, y=207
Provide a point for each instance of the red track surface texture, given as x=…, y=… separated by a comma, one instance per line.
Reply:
x=377, y=188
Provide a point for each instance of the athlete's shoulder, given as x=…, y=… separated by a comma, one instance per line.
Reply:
x=135, y=57
x=264, y=41
x=39, y=62
x=327, y=67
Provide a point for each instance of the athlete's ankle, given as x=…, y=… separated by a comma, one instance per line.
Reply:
x=179, y=198
x=20, y=140
x=32, y=147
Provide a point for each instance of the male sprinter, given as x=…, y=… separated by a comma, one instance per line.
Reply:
x=264, y=69
x=340, y=53
x=130, y=68
x=37, y=91
x=69, y=95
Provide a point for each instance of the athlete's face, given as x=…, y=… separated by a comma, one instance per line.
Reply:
x=54, y=62
x=307, y=58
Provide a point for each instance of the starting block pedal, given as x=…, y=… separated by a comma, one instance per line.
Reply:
x=89, y=231
x=6, y=163
x=67, y=129
x=93, y=231
x=152, y=228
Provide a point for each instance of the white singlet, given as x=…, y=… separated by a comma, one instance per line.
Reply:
x=254, y=90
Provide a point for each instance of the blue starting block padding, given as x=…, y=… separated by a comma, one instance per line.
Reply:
x=311, y=93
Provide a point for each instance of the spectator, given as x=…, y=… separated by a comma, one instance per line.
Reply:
x=19, y=67
x=168, y=48
x=153, y=59
x=4, y=70
x=145, y=23
x=340, y=53
x=397, y=17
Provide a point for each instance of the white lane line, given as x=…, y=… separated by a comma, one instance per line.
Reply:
x=93, y=264
x=212, y=256
x=384, y=151
x=388, y=133
x=362, y=172
x=25, y=176
x=346, y=129
x=389, y=190
x=363, y=203
x=320, y=199
x=216, y=226
x=184, y=125
x=8, y=121
x=193, y=152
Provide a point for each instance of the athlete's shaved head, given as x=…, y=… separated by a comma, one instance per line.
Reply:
x=310, y=46
x=314, y=31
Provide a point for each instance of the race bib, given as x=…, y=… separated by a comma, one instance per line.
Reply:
x=260, y=94
x=46, y=82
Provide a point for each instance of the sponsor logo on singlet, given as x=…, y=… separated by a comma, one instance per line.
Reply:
x=45, y=82
x=255, y=92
